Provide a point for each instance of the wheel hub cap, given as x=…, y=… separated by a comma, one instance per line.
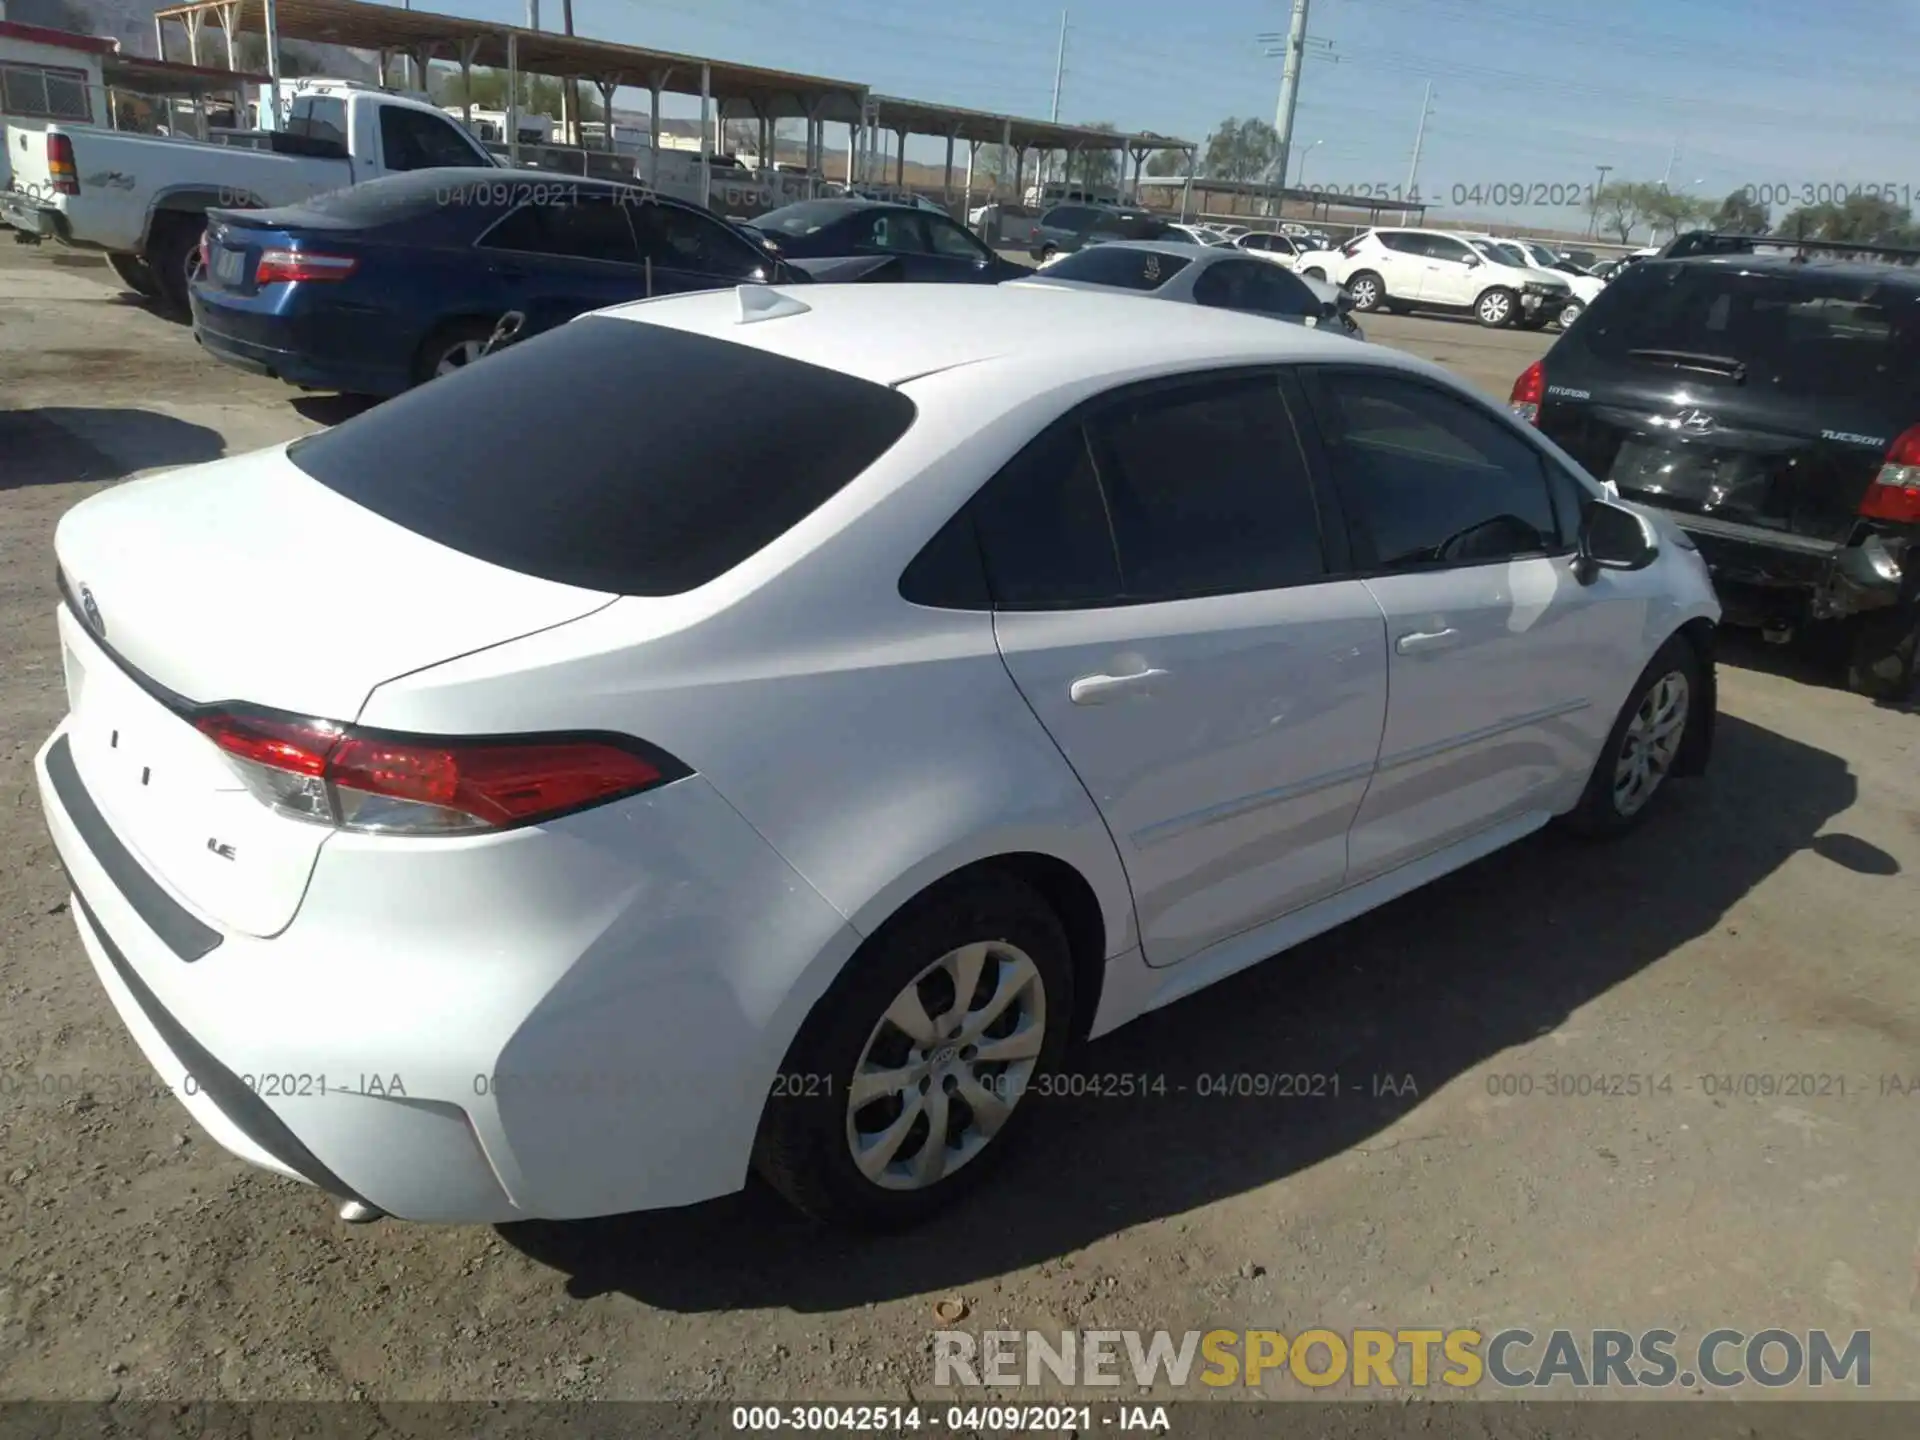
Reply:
x=946, y=1065
x=1652, y=741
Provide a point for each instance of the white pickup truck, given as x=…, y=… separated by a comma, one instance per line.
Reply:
x=143, y=198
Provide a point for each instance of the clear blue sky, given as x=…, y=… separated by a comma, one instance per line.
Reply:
x=1749, y=91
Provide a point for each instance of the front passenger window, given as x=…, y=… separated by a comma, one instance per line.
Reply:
x=1428, y=480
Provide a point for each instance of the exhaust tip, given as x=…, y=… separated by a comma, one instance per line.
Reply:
x=358, y=1212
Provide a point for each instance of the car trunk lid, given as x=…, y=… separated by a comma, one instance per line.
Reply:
x=1764, y=398
x=246, y=583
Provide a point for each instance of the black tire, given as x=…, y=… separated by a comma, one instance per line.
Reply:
x=1539, y=320
x=133, y=273
x=1600, y=814
x=1369, y=291
x=173, y=255
x=804, y=1150
x=454, y=337
x=1880, y=661
x=1497, y=307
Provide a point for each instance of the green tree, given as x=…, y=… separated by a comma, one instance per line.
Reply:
x=1742, y=214
x=1858, y=220
x=1097, y=169
x=1240, y=150
x=1619, y=206
x=1671, y=211
x=1167, y=162
x=539, y=94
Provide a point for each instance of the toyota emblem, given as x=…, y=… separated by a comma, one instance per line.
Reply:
x=90, y=609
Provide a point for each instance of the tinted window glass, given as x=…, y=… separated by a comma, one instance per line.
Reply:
x=708, y=451
x=1809, y=332
x=685, y=240
x=407, y=197
x=1430, y=479
x=801, y=219
x=893, y=232
x=319, y=117
x=950, y=240
x=1122, y=268
x=1401, y=241
x=1250, y=285
x=1130, y=227
x=1208, y=491
x=1043, y=527
x=415, y=140
x=590, y=227
x=1443, y=247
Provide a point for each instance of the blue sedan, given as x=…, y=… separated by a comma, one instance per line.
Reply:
x=925, y=246
x=377, y=288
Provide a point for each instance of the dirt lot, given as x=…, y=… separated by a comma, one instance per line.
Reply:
x=1765, y=925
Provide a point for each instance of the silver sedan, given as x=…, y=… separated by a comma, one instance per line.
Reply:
x=1218, y=276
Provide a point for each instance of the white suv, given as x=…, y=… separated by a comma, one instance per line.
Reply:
x=1440, y=270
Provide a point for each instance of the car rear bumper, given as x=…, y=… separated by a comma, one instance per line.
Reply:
x=1769, y=576
x=30, y=217
x=271, y=345
x=548, y=1023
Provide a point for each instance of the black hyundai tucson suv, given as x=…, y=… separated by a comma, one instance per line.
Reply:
x=1769, y=403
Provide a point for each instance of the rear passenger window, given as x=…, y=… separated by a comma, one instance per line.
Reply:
x=1428, y=479
x=1208, y=491
x=1044, y=533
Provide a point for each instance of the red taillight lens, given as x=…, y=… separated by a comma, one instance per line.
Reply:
x=61, y=168
x=1528, y=391
x=1350, y=249
x=1895, y=492
x=278, y=265
x=316, y=770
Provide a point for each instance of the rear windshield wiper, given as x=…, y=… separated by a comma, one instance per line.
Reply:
x=1694, y=360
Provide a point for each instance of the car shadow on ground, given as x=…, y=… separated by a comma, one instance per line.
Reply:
x=1430, y=986
x=58, y=445
x=1816, y=659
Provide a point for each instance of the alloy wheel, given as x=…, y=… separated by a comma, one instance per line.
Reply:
x=1366, y=293
x=1569, y=314
x=459, y=355
x=1495, y=308
x=945, y=1066
x=1652, y=741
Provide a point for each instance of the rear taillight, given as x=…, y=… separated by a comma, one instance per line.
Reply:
x=278, y=265
x=419, y=785
x=1895, y=492
x=1350, y=249
x=1528, y=391
x=61, y=168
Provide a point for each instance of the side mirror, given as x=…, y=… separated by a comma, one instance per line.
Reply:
x=1614, y=537
x=1473, y=262
x=1332, y=309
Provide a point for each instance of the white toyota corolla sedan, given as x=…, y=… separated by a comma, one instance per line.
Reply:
x=765, y=729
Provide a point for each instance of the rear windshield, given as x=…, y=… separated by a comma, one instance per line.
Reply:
x=1808, y=331
x=801, y=219
x=396, y=198
x=1123, y=269
x=612, y=454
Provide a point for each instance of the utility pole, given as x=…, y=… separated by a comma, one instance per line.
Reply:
x=1419, y=137
x=1672, y=155
x=569, y=100
x=1290, y=88
x=1593, y=225
x=1059, y=70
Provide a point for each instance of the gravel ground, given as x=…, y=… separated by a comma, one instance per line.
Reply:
x=1764, y=925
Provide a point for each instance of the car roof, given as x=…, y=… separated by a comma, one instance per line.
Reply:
x=1778, y=264
x=894, y=333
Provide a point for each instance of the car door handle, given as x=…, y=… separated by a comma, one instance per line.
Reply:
x=1098, y=689
x=1414, y=642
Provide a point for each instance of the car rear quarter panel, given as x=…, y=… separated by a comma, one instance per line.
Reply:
x=876, y=745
